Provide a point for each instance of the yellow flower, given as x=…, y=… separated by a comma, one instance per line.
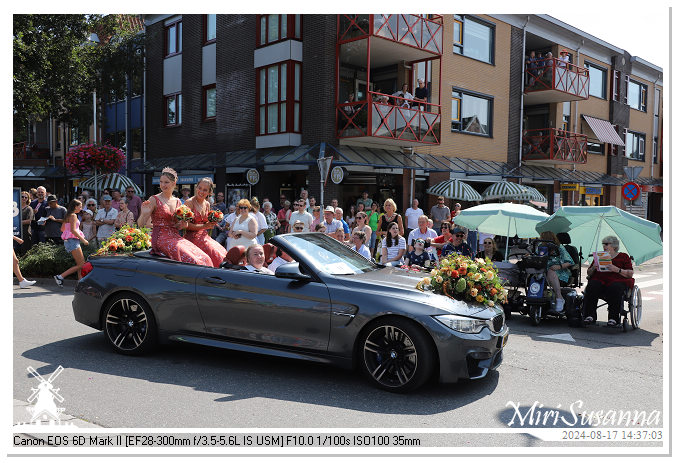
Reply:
x=479, y=298
x=474, y=292
x=439, y=279
x=476, y=277
x=434, y=272
x=426, y=281
x=491, y=304
x=490, y=275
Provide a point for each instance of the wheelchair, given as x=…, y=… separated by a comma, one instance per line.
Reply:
x=631, y=307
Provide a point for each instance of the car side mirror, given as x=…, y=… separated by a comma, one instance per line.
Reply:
x=291, y=271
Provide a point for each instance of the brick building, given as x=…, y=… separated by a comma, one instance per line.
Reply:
x=226, y=94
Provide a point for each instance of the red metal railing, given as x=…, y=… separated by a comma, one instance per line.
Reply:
x=552, y=74
x=390, y=117
x=555, y=145
x=416, y=31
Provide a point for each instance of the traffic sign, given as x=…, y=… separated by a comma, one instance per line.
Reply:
x=631, y=191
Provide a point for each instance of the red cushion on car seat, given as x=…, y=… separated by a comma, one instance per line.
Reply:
x=236, y=255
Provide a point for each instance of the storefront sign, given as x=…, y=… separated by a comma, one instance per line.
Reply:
x=591, y=190
x=182, y=180
x=16, y=211
x=569, y=187
x=252, y=176
x=631, y=191
x=337, y=174
x=651, y=188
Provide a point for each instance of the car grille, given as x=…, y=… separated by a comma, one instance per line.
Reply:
x=498, y=322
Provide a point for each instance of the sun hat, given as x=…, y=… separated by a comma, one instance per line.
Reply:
x=329, y=209
x=106, y=198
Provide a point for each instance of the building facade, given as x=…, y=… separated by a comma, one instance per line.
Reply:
x=229, y=94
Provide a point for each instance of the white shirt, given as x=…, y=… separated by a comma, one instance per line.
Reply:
x=261, y=221
x=263, y=270
x=363, y=251
x=305, y=217
x=429, y=234
x=404, y=103
x=412, y=215
x=333, y=226
x=392, y=251
x=104, y=231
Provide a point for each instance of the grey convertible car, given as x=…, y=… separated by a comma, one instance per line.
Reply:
x=329, y=305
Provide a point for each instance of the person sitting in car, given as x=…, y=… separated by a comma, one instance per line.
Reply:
x=256, y=259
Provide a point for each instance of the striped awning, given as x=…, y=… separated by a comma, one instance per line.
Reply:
x=507, y=191
x=603, y=131
x=537, y=196
x=109, y=181
x=455, y=189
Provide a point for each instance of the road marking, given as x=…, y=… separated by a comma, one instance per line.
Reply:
x=650, y=283
x=648, y=298
x=660, y=292
x=566, y=337
x=641, y=276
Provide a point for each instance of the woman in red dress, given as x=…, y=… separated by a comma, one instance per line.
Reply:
x=165, y=236
x=198, y=232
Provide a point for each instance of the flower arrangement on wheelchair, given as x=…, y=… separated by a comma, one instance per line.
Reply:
x=463, y=278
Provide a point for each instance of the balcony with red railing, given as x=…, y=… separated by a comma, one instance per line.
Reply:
x=391, y=120
x=549, y=80
x=420, y=32
x=554, y=146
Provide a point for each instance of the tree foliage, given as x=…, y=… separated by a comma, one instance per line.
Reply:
x=56, y=67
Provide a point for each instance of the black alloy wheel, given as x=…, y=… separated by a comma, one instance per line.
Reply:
x=129, y=325
x=397, y=355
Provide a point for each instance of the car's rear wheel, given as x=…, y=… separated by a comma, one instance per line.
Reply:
x=396, y=355
x=129, y=325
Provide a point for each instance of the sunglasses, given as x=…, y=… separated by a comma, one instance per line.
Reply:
x=459, y=235
x=487, y=243
x=445, y=227
x=299, y=228
x=242, y=207
x=605, y=243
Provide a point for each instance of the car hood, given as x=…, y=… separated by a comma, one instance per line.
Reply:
x=397, y=283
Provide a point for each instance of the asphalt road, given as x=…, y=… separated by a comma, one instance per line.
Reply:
x=186, y=386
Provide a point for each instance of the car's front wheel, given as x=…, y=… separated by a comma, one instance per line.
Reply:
x=129, y=325
x=396, y=355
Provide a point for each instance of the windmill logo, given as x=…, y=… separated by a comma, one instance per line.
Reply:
x=45, y=408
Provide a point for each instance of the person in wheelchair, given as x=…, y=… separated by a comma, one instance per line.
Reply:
x=609, y=285
x=557, y=268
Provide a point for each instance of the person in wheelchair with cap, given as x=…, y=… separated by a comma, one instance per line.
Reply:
x=609, y=285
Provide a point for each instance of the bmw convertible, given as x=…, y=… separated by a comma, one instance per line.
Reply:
x=329, y=305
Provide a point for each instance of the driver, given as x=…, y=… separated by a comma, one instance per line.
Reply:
x=255, y=257
x=281, y=258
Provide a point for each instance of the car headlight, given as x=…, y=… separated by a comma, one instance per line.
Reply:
x=461, y=323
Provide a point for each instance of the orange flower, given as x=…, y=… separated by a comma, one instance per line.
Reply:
x=128, y=238
x=463, y=270
x=113, y=246
x=454, y=274
x=493, y=291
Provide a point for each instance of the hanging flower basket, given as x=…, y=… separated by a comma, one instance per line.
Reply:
x=103, y=158
x=462, y=278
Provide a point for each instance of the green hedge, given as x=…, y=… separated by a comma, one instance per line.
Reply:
x=46, y=259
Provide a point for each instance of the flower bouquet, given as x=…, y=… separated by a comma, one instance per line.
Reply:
x=214, y=215
x=463, y=278
x=184, y=213
x=126, y=241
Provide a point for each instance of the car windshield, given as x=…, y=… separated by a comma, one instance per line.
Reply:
x=328, y=255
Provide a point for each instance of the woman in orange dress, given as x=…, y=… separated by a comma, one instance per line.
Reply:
x=198, y=232
x=165, y=236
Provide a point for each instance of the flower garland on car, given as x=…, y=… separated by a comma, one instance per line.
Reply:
x=105, y=158
x=126, y=241
x=463, y=278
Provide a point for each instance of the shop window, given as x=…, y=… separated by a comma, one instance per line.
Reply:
x=474, y=38
x=636, y=95
x=276, y=27
x=471, y=113
x=597, y=81
x=210, y=102
x=595, y=148
x=173, y=110
x=635, y=146
x=209, y=28
x=173, y=38
x=279, y=98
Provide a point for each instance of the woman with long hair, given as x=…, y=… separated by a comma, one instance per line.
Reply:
x=489, y=250
x=165, y=236
x=557, y=268
x=388, y=217
x=361, y=225
x=393, y=246
x=72, y=237
x=198, y=231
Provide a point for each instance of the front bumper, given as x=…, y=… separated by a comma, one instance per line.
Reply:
x=470, y=356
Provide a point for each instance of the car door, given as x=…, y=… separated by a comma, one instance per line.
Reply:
x=264, y=309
